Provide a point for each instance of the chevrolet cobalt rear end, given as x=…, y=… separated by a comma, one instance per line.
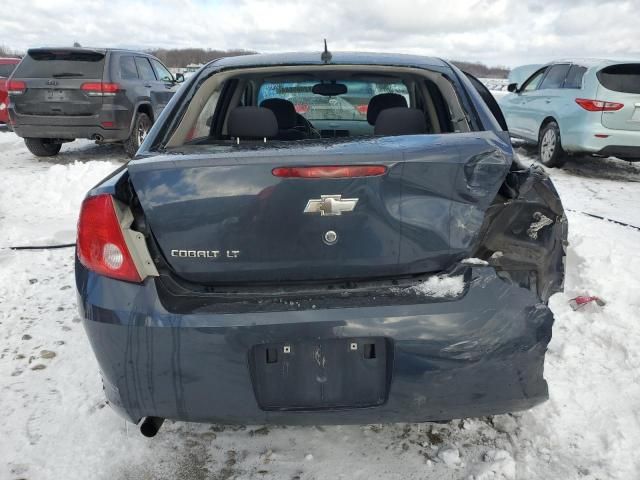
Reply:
x=263, y=262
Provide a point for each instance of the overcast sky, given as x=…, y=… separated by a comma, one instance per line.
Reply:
x=500, y=32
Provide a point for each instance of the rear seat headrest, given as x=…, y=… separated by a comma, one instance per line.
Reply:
x=252, y=122
x=381, y=102
x=400, y=121
x=284, y=111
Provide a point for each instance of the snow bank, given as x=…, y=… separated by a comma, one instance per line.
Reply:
x=40, y=202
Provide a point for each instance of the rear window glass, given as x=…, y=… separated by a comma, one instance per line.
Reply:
x=621, y=78
x=6, y=69
x=574, y=77
x=351, y=105
x=128, y=69
x=555, y=77
x=61, y=64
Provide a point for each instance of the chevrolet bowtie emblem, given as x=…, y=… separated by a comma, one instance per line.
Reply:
x=330, y=205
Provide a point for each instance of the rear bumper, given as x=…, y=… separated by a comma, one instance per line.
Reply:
x=621, y=151
x=479, y=354
x=616, y=143
x=72, y=127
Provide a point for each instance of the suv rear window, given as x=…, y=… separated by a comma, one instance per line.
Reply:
x=621, y=78
x=61, y=63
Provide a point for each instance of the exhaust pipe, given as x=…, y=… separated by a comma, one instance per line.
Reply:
x=97, y=137
x=150, y=426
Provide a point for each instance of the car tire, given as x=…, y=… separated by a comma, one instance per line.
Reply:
x=43, y=147
x=141, y=127
x=550, y=150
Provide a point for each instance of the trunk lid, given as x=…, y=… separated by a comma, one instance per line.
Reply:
x=223, y=217
x=621, y=84
x=54, y=78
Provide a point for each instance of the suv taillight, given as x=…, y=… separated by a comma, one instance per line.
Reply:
x=101, y=245
x=16, y=87
x=598, y=105
x=100, y=88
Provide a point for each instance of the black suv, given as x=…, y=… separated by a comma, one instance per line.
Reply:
x=108, y=95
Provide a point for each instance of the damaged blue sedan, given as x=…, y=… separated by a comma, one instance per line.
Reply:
x=322, y=239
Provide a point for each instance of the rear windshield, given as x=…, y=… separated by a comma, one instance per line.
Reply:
x=621, y=78
x=61, y=64
x=6, y=69
x=351, y=105
x=318, y=104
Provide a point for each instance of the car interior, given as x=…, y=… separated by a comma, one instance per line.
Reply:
x=284, y=105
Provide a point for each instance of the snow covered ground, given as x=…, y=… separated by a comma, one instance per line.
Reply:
x=54, y=424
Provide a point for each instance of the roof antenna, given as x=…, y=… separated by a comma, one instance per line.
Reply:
x=326, y=55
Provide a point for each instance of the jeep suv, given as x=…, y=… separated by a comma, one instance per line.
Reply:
x=108, y=95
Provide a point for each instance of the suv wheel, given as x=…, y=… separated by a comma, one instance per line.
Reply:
x=43, y=147
x=141, y=126
x=550, y=149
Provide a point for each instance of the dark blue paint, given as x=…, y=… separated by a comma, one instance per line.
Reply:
x=422, y=215
x=447, y=362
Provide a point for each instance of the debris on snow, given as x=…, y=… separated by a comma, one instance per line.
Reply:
x=582, y=300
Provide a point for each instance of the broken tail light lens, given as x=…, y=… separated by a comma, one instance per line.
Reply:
x=598, y=105
x=101, y=244
x=332, y=171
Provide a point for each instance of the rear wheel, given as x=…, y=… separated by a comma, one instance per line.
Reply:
x=141, y=127
x=550, y=149
x=43, y=147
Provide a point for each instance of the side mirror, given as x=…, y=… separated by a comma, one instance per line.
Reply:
x=512, y=87
x=179, y=78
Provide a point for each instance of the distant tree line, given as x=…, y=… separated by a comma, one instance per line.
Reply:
x=8, y=53
x=481, y=70
x=181, y=57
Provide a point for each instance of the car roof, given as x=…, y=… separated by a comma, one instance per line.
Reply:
x=4, y=61
x=593, y=62
x=337, y=58
x=88, y=49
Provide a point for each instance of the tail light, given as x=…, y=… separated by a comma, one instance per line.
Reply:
x=101, y=244
x=16, y=87
x=362, y=109
x=100, y=89
x=598, y=105
x=332, y=171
